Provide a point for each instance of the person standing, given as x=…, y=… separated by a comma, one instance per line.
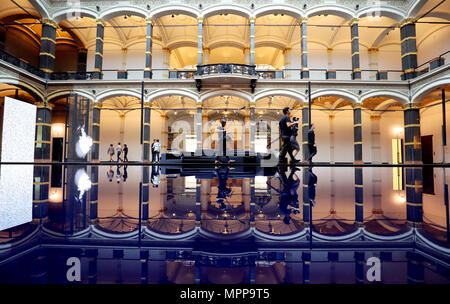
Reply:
x=119, y=151
x=311, y=143
x=222, y=141
x=157, y=149
x=125, y=152
x=111, y=152
x=286, y=133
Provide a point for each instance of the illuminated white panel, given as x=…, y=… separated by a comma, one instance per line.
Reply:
x=16, y=181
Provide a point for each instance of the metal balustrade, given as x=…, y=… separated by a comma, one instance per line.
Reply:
x=227, y=68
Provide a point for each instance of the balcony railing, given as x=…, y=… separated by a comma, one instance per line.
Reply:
x=226, y=68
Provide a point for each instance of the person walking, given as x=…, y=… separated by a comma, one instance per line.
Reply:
x=285, y=125
x=157, y=149
x=110, y=152
x=125, y=152
x=311, y=143
x=110, y=173
x=119, y=151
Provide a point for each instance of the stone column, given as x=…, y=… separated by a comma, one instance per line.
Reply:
x=305, y=129
x=93, y=193
x=204, y=194
x=144, y=266
x=82, y=60
x=305, y=71
x=146, y=134
x=148, y=49
x=252, y=128
x=376, y=159
x=206, y=53
x=360, y=263
x=198, y=204
x=306, y=257
x=415, y=268
x=200, y=41
x=166, y=61
x=246, y=52
x=357, y=144
x=48, y=45
x=413, y=155
x=164, y=133
x=199, y=128
x=287, y=62
x=373, y=62
x=92, y=255
x=246, y=194
x=332, y=169
x=42, y=152
x=356, y=70
x=252, y=40
x=330, y=58
x=145, y=194
x=409, y=48
x=99, y=50
x=122, y=73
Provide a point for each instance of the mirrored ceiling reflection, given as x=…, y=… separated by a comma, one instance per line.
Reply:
x=245, y=221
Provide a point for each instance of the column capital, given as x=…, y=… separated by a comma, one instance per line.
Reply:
x=372, y=50
x=252, y=19
x=100, y=21
x=206, y=49
x=166, y=49
x=98, y=104
x=199, y=103
x=356, y=105
x=353, y=21
x=200, y=19
x=406, y=21
x=164, y=117
x=329, y=50
x=375, y=117
x=252, y=104
x=42, y=105
x=147, y=104
x=82, y=50
x=149, y=20
x=331, y=116
x=415, y=105
x=49, y=22
x=302, y=20
x=286, y=50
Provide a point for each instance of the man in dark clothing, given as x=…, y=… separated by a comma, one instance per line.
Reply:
x=311, y=143
x=125, y=152
x=286, y=132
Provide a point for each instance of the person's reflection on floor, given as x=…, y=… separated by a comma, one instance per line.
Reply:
x=125, y=173
x=155, y=176
x=289, y=196
x=223, y=192
x=110, y=174
x=312, y=181
x=118, y=174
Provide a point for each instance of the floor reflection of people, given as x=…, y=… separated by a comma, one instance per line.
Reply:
x=223, y=192
x=110, y=173
x=155, y=179
x=289, y=197
x=118, y=175
x=312, y=181
x=125, y=173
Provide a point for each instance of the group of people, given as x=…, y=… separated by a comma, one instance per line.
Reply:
x=289, y=131
x=111, y=151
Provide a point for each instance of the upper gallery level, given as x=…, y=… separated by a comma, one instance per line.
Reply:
x=204, y=40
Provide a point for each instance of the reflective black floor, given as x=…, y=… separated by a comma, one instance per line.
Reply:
x=128, y=223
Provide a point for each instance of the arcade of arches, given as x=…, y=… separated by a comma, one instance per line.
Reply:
x=118, y=50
